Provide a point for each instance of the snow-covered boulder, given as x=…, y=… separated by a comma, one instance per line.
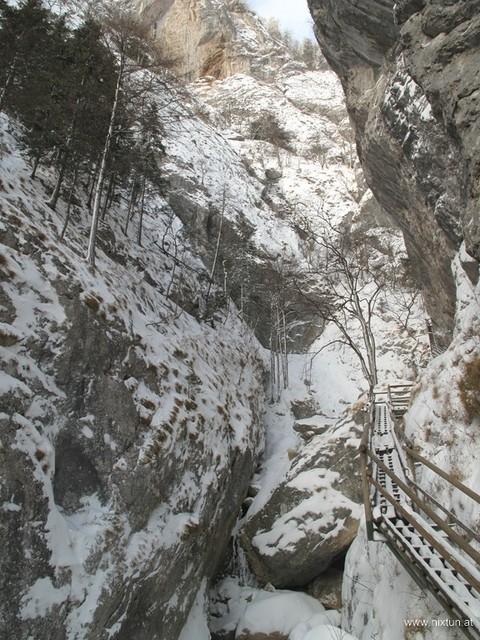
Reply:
x=312, y=516
x=275, y=614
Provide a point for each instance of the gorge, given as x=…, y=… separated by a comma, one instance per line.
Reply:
x=279, y=233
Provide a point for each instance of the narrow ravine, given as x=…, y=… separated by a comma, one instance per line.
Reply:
x=218, y=242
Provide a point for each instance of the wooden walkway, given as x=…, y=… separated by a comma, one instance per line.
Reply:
x=439, y=551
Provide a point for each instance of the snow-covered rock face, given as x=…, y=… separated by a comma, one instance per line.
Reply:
x=129, y=430
x=221, y=170
x=416, y=114
x=313, y=515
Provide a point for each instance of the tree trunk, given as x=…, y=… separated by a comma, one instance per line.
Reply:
x=142, y=211
x=93, y=180
x=131, y=204
x=8, y=82
x=69, y=206
x=285, y=350
x=92, y=241
x=68, y=148
x=107, y=200
x=36, y=162
x=217, y=251
x=52, y=203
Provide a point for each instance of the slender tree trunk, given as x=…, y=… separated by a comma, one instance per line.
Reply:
x=52, y=203
x=69, y=205
x=92, y=241
x=285, y=349
x=272, y=367
x=106, y=202
x=131, y=205
x=142, y=211
x=94, y=178
x=111, y=196
x=68, y=147
x=8, y=82
x=217, y=251
x=36, y=162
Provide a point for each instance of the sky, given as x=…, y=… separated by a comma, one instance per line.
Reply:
x=292, y=15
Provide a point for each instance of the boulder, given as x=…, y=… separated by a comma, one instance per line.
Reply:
x=273, y=174
x=312, y=516
x=273, y=615
x=327, y=588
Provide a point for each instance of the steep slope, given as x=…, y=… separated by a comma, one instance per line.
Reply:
x=130, y=429
x=410, y=74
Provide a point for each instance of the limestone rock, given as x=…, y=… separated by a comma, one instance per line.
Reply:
x=208, y=38
x=126, y=446
x=410, y=74
x=327, y=588
x=312, y=517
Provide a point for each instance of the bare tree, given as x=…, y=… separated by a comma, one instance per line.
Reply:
x=344, y=290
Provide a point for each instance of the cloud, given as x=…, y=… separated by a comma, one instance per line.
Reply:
x=292, y=14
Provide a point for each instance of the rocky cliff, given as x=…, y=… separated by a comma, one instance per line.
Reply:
x=410, y=71
x=214, y=38
x=129, y=429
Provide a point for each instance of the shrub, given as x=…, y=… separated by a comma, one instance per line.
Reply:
x=267, y=128
x=469, y=387
x=93, y=302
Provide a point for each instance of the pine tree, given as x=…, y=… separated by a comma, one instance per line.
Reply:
x=90, y=89
x=309, y=53
x=128, y=36
x=23, y=35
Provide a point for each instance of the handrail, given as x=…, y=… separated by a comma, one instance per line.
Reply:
x=446, y=554
x=422, y=526
x=443, y=474
x=365, y=483
x=453, y=535
x=440, y=506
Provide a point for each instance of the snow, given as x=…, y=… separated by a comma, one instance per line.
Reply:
x=436, y=423
x=312, y=515
x=212, y=159
x=41, y=597
x=196, y=627
x=378, y=594
x=279, y=611
x=78, y=545
x=331, y=618
x=327, y=632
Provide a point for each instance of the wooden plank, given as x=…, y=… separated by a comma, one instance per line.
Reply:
x=443, y=474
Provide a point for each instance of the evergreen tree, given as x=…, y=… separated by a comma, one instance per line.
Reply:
x=90, y=88
x=23, y=35
x=129, y=39
x=309, y=53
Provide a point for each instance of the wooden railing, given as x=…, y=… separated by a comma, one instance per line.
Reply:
x=432, y=524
